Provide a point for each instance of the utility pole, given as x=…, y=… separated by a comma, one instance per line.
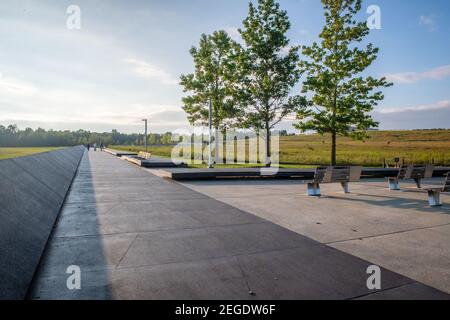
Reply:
x=210, y=162
x=145, y=138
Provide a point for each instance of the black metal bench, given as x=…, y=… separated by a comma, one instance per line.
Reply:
x=330, y=174
x=416, y=173
x=434, y=194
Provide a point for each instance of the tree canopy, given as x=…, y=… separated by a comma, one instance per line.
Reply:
x=270, y=66
x=215, y=78
x=341, y=98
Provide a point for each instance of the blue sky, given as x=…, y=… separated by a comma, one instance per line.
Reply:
x=125, y=61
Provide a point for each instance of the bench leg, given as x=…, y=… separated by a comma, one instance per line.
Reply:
x=418, y=182
x=314, y=189
x=434, y=198
x=393, y=184
x=346, y=187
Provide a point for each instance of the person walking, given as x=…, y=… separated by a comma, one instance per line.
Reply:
x=95, y=147
x=88, y=146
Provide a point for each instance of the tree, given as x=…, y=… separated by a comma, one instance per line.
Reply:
x=214, y=80
x=271, y=67
x=341, y=98
x=12, y=136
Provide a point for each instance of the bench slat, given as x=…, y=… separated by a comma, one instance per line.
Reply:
x=446, y=187
x=337, y=174
x=415, y=172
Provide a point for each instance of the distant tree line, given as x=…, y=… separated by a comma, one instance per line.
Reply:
x=12, y=136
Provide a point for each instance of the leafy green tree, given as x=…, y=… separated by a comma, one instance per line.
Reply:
x=271, y=68
x=341, y=98
x=166, y=138
x=215, y=79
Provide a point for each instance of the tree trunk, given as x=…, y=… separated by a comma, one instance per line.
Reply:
x=333, y=149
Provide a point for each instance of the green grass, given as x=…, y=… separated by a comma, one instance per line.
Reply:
x=413, y=146
x=6, y=153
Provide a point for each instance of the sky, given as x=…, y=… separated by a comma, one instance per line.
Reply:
x=124, y=62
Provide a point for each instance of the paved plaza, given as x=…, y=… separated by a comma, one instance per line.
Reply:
x=135, y=235
x=394, y=229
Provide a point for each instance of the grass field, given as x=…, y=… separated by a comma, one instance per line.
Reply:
x=6, y=153
x=417, y=147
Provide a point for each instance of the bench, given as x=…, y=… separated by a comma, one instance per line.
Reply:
x=330, y=174
x=434, y=194
x=144, y=155
x=417, y=173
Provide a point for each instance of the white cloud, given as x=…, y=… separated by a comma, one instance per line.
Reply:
x=444, y=104
x=428, y=21
x=54, y=77
x=427, y=116
x=28, y=104
x=413, y=77
x=15, y=86
x=147, y=70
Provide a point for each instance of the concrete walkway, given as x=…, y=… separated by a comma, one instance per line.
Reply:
x=137, y=236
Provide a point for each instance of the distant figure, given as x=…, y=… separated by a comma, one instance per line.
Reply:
x=101, y=146
x=88, y=146
x=95, y=147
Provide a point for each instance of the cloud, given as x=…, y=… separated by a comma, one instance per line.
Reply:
x=428, y=116
x=30, y=101
x=14, y=86
x=413, y=77
x=165, y=118
x=428, y=21
x=147, y=70
x=444, y=104
x=32, y=104
x=92, y=126
x=157, y=114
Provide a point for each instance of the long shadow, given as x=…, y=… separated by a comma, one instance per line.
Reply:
x=394, y=201
x=397, y=202
x=75, y=244
x=249, y=182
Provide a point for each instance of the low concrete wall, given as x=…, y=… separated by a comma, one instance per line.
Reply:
x=32, y=191
x=119, y=153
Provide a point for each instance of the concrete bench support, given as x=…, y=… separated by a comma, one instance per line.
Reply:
x=434, y=194
x=434, y=198
x=314, y=189
x=342, y=175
